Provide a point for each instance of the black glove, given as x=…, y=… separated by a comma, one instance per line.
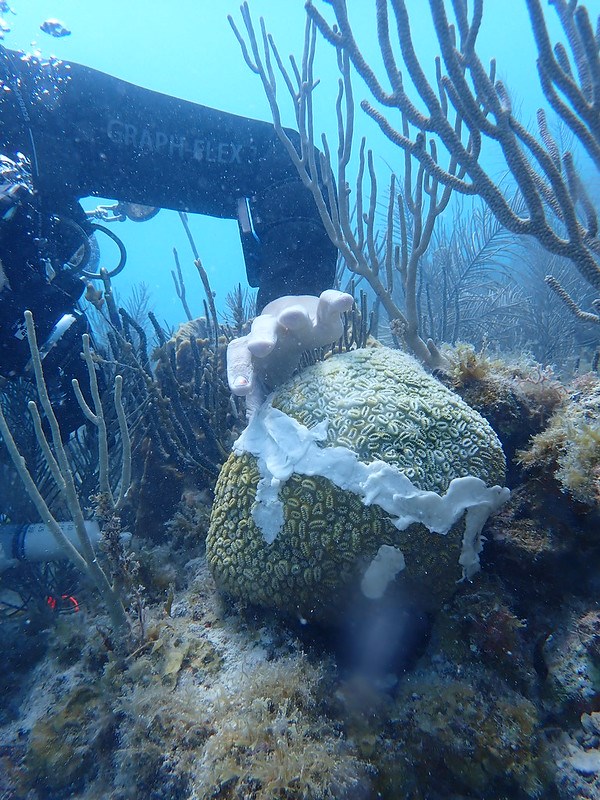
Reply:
x=296, y=259
x=292, y=254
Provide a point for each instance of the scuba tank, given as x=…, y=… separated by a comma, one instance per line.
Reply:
x=35, y=542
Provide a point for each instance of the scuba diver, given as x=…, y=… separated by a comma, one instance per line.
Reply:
x=70, y=132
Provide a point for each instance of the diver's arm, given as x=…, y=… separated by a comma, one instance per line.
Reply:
x=94, y=134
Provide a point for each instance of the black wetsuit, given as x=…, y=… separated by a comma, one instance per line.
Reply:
x=90, y=134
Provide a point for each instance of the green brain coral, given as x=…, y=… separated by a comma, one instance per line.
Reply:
x=339, y=481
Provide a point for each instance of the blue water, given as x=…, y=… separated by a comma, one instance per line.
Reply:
x=187, y=49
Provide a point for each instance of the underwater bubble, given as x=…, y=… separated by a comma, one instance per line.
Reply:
x=55, y=27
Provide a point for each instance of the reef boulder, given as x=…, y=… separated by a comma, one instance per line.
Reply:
x=360, y=472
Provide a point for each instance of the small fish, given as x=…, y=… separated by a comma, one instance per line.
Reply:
x=55, y=28
x=4, y=27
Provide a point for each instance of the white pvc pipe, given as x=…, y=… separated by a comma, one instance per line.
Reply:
x=35, y=543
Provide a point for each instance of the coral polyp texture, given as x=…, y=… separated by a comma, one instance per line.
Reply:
x=360, y=472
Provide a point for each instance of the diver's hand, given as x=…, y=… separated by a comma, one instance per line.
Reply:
x=270, y=353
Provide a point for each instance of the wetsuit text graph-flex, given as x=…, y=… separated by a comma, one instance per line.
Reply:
x=90, y=134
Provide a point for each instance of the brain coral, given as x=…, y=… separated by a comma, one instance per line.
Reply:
x=346, y=479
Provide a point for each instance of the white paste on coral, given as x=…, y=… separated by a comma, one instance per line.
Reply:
x=285, y=329
x=283, y=446
x=382, y=570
